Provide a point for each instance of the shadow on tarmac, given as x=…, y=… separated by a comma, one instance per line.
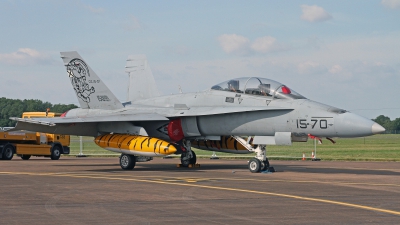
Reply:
x=170, y=165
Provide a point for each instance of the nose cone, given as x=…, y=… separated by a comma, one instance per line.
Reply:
x=377, y=129
x=352, y=125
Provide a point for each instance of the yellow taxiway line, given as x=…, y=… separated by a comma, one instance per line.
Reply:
x=193, y=179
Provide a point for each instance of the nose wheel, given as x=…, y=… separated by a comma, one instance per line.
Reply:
x=260, y=163
x=264, y=165
x=256, y=165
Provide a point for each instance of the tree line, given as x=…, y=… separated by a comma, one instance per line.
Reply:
x=389, y=125
x=15, y=108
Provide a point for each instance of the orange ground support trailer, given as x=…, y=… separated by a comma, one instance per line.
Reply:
x=26, y=144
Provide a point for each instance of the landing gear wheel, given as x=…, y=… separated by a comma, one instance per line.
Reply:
x=264, y=165
x=186, y=161
x=254, y=165
x=8, y=152
x=55, y=152
x=193, y=160
x=127, y=162
x=25, y=157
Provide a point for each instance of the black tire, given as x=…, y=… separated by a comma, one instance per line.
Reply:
x=254, y=165
x=25, y=157
x=8, y=152
x=55, y=152
x=193, y=160
x=127, y=162
x=267, y=162
x=264, y=165
x=185, y=161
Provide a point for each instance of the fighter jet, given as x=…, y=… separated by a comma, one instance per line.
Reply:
x=240, y=115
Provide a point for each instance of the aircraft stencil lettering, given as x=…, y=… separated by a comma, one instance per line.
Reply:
x=77, y=71
x=103, y=98
x=266, y=113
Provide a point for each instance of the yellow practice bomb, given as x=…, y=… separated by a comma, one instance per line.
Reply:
x=135, y=144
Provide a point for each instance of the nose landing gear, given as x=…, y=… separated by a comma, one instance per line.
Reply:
x=260, y=163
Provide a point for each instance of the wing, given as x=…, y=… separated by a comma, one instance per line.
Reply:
x=88, y=125
x=91, y=119
x=122, y=122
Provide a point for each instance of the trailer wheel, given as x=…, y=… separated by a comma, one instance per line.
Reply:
x=55, y=152
x=8, y=152
x=25, y=157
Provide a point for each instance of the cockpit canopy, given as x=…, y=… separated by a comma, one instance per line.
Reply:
x=258, y=86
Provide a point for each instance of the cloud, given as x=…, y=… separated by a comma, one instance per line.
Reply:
x=236, y=44
x=24, y=56
x=233, y=43
x=314, y=13
x=393, y=4
x=264, y=44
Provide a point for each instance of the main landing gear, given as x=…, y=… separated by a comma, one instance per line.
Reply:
x=188, y=157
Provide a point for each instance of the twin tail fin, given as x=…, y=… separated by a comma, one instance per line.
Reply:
x=90, y=90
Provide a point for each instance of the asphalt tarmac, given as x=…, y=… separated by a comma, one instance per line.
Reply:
x=96, y=191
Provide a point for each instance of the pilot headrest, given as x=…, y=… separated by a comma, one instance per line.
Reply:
x=265, y=87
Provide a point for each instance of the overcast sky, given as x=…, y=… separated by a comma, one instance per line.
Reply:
x=341, y=53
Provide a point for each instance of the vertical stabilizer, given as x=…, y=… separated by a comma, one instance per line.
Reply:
x=141, y=81
x=90, y=90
